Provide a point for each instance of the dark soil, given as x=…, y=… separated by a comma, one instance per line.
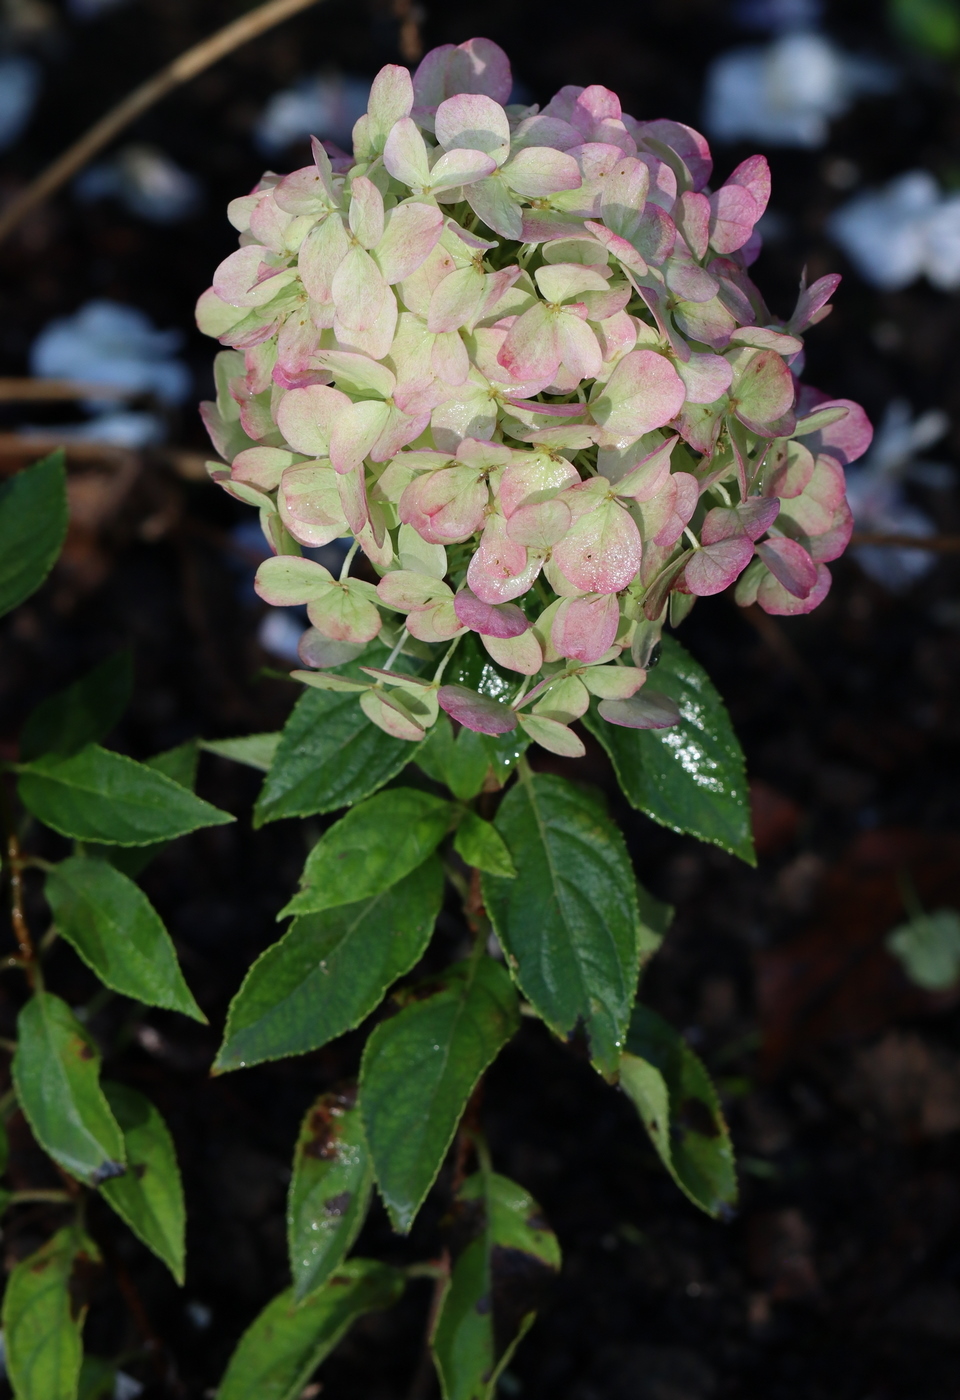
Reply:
x=839, y=1275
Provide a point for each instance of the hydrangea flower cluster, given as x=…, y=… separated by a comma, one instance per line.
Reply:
x=516, y=355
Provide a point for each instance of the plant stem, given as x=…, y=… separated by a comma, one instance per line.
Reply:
x=181, y=70
x=50, y=1195
x=345, y=568
x=18, y=918
x=438, y=675
x=397, y=650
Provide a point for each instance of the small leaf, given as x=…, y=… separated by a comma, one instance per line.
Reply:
x=255, y=750
x=180, y=766
x=149, y=1197
x=655, y=920
x=678, y=1106
x=33, y=525
x=329, y=1191
x=118, y=933
x=330, y=970
x=282, y=1348
x=82, y=714
x=495, y=1287
x=96, y=795
x=690, y=777
x=371, y=848
x=43, y=1320
x=569, y=922
x=420, y=1068
x=462, y=762
x=56, y=1071
x=479, y=843
x=329, y=756
x=928, y=947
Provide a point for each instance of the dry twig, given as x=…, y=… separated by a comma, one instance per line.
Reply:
x=181, y=70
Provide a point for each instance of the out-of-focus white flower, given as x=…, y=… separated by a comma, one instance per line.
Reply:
x=876, y=495
x=902, y=232
x=279, y=633
x=146, y=181
x=125, y=1387
x=326, y=105
x=787, y=93
x=777, y=16
x=19, y=90
x=108, y=343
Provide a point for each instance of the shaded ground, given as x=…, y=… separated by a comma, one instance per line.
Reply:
x=839, y=1277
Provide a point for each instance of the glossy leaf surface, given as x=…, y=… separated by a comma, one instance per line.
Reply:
x=282, y=1347
x=329, y=756
x=678, y=1106
x=461, y=763
x=56, y=1075
x=377, y=843
x=330, y=970
x=691, y=777
x=149, y=1197
x=569, y=922
x=33, y=525
x=118, y=933
x=495, y=1286
x=419, y=1069
x=82, y=714
x=96, y=795
x=43, y=1319
x=329, y=1192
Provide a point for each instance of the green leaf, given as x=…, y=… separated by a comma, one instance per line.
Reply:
x=569, y=922
x=33, y=525
x=461, y=763
x=255, y=750
x=655, y=920
x=329, y=1191
x=371, y=848
x=43, y=1318
x=329, y=756
x=282, y=1347
x=479, y=843
x=82, y=714
x=420, y=1068
x=100, y=796
x=118, y=933
x=932, y=26
x=692, y=777
x=678, y=1106
x=491, y=1298
x=150, y=1196
x=56, y=1073
x=98, y=1379
x=330, y=970
x=180, y=765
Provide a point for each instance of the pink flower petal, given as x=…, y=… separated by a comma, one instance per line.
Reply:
x=534, y=477
x=501, y=570
x=412, y=232
x=405, y=155
x=733, y=213
x=649, y=710
x=688, y=144
x=705, y=377
x=476, y=712
x=790, y=563
x=644, y=392
x=474, y=121
x=532, y=347
x=602, y=551
x=777, y=600
x=693, y=219
x=584, y=628
x=537, y=171
x=306, y=417
x=505, y=620
x=540, y=524
x=355, y=430
x=763, y=392
x=446, y=506
x=754, y=175
x=521, y=653
x=716, y=566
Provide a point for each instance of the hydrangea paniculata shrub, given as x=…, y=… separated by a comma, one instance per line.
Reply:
x=517, y=355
